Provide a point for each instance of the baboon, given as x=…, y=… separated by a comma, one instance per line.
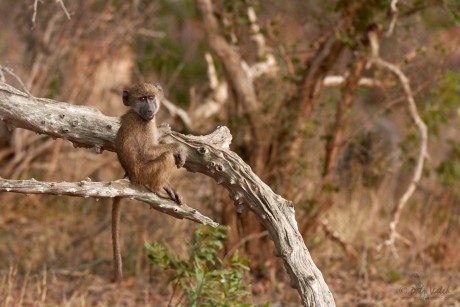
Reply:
x=144, y=159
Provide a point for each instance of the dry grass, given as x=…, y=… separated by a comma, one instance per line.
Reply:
x=74, y=288
x=378, y=278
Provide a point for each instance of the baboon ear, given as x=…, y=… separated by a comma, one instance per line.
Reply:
x=125, y=98
x=160, y=89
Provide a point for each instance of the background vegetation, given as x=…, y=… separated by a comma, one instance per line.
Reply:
x=344, y=152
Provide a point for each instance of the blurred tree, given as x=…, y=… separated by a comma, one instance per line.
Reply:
x=275, y=115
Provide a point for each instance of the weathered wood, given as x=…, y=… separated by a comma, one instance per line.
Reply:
x=83, y=126
x=274, y=212
x=118, y=188
x=208, y=155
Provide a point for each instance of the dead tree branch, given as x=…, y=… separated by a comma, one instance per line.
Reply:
x=394, y=18
x=338, y=81
x=83, y=126
x=61, y=3
x=214, y=102
x=119, y=188
x=10, y=72
x=208, y=154
x=230, y=58
x=34, y=15
x=347, y=97
x=334, y=236
x=423, y=131
x=64, y=8
x=274, y=212
x=176, y=111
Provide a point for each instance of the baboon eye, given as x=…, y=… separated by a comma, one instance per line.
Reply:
x=150, y=97
x=143, y=98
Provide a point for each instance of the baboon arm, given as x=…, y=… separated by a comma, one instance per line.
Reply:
x=155, y=173
x=160, y=150
x=159, y=158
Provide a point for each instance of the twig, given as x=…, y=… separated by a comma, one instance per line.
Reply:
x=252, y=236
x=180, y=298
x=347, y=96
x=176, y=111
x=24, y=286
x=30, y=155
x=267, y=63
x=43, y=287
x=174, y=289
x=423, y=131
x=219, y=95
x=394, y=18
x=11, y=73
x=34, y=16
x=334, y=236
x=64, y=8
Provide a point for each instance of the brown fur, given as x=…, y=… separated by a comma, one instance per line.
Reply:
x=145, y=160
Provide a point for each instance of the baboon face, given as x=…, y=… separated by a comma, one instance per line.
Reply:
x=144, y=99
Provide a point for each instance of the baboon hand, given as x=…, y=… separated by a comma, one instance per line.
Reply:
x=164, y=129
x=180, y=157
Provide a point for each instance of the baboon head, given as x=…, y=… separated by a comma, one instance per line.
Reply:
x=144, y=99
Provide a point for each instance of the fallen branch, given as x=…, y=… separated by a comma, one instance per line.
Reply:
x=208, y=154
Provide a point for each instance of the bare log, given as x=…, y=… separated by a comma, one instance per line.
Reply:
x=208, y=155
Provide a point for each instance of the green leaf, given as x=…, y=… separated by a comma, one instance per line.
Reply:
x=204, y=278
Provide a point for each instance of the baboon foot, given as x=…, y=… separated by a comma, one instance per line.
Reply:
x=173, y=195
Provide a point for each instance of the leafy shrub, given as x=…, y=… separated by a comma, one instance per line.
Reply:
x=204, y=279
